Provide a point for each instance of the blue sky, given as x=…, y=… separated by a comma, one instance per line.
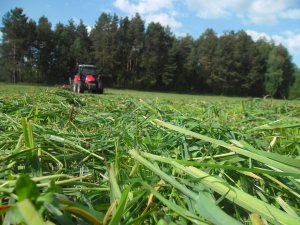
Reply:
x=277, y=20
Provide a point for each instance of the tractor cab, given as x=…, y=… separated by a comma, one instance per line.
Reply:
x=85, y=70
x=86, y=79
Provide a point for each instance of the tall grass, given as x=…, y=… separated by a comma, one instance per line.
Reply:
x=129, y=157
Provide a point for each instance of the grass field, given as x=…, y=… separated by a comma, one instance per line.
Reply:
x=130, y=157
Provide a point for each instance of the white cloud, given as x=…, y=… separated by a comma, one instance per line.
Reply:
x=291, y=14
x=293, y=42
x=215, y=9
x=164, y=19
x=258, y=35
x=161, y=11
x=89, y=29
x=105, y=10
x=289, y=39
x=265, y=12
x=143, y=6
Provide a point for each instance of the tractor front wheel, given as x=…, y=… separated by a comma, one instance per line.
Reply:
x=74, y=87
x=80, y=87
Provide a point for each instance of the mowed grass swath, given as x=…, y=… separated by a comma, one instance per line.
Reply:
x=129, y=157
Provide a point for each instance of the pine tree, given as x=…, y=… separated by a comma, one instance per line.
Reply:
x=136, y=32
x=206, y=49
x=158, y=40
x=81, y=46
x=14, y=43
x=294, y=91
x=45, y=45
x=274, y=74
x=100, y=40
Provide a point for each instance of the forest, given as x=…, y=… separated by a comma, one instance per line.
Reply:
x=131, y=54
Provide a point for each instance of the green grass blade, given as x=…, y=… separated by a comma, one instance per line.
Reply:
x=282, y=185
x=216, y=215
x=235, y=195
x=270, y=127
x=226, y=167
x=29, y=213
x=280, y=158
x=179, y=210
x=286, y=207
x=114, y=186
x=238, y=150
x=70, y=143
x=117, y=216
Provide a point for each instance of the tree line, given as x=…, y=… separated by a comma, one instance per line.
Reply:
x=130, y=54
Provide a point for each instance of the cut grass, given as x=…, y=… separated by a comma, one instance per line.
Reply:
x=198, y=159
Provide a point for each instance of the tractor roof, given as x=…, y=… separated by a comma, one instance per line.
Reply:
x=83, y=65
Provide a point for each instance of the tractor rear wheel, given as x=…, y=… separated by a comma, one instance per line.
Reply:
x=100, y=91
x=100, y=87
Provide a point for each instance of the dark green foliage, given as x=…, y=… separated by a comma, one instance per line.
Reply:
x=158, y=41
x=129, y=55
x=136, y=33
x=206, y=46
x=44, y=49
x=81, y=46
x=279, y=75
x=295, y=89
x=14, y=44
x=103, y=37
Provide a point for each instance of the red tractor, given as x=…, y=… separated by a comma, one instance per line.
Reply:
x=86, y=79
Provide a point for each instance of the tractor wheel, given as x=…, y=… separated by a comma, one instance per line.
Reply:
x=100, y=91
x=80, y=87
x=74, y=87
x=100, y=87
